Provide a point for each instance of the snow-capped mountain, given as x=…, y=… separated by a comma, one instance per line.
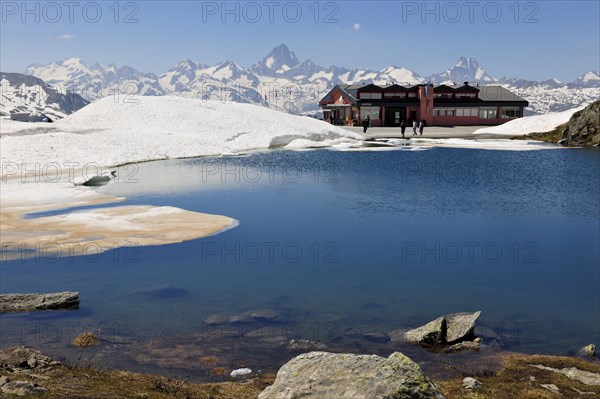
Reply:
x=97, y=80
x=465, y=70
x=28, y=95
x=280, y=81
x=278, y=61
x=588, y=79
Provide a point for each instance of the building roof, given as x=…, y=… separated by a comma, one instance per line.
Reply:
x=498, y=93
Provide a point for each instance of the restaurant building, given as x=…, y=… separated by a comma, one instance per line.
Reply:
x=443, y=105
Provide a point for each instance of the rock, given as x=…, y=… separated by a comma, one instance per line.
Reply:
x=471, y=383
x=320, y=375
x=32, y=362
x=563, y=141
x=586, y=377
x=448, y=329
x=463, y=346
x=431, y=333
x=551, y=388
x=216, y=319
x=31, y=302
x=377, y=337
x=256, y=316
x=460, y=326
x=21, y=388
x=306, y=345
x=240, y=372
x=23, y=358
x=583, y=129
x=589, y=351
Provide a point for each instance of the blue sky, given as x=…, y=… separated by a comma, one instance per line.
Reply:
x=529, y=39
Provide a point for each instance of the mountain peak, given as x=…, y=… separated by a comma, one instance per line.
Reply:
x=279, y=60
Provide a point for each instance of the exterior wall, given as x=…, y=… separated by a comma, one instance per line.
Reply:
x=425, y=111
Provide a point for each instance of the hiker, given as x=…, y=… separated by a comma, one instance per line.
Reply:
x=366, y=123
x=414, y=127
x=403, y=127
x=421, y=127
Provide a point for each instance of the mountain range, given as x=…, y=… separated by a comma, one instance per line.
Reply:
x=281, y=81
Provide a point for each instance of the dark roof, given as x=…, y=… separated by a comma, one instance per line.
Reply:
x=498, y=93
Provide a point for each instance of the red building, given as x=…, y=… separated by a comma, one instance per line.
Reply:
x=443, y=105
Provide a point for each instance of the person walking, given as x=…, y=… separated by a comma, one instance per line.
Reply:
x=403, y=127
x=421, y=127
x=366, y=123
x=414, y=127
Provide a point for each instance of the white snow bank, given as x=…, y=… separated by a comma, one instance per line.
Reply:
x=531, y=124
x=110, y=132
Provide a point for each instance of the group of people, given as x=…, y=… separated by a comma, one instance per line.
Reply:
x=420, y=126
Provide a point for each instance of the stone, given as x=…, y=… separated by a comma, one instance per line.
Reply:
x=463, y=346
x=240, y=372
x=21, y=388
x=471, y=383
x=24, y=358
x=377, y=337
x=256, y=316
x=585, y=377
x=321, y=375
x=10, y=303
x=431, y=333
x=216, y=319
x=589, y=351
x=460, y=326
x=583, y=129
x=551, y=388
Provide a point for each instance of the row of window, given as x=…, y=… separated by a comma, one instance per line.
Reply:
x=378, y=96
x=483, y=113
x=455, y=95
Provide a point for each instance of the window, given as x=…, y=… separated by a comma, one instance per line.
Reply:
x=467, y=112
x=444, y=112
x=511, y=112
x=395, y=95
x=370, y=96
x=373, y=112
x=466, y=95
x=442, y=95
x=488, y=113
x=412, y=94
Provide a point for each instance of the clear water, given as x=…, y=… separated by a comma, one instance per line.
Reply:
x=372, y=241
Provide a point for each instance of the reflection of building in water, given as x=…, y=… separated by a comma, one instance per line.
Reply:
x=441, y=105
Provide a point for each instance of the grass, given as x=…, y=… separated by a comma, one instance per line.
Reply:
x=513, y=380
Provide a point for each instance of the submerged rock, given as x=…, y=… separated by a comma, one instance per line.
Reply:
x=256, y=316
x=240, y=372
x=320, y=375
x=377, y=337
x=10, y=303
x=463, y=346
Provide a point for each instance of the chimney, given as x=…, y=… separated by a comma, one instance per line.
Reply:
x=466, y=83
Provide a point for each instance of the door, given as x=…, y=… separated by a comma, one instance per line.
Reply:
x=393, y=116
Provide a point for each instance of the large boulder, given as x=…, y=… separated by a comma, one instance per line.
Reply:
x=429, y=334
x=32, y=302
x=460, y=326
x=322, y=375
x=445, y=330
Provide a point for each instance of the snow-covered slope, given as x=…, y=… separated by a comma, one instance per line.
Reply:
x=23, y=94
x=531, y=124
x=110, y=133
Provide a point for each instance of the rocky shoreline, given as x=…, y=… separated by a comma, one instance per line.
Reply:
x=315, y=370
